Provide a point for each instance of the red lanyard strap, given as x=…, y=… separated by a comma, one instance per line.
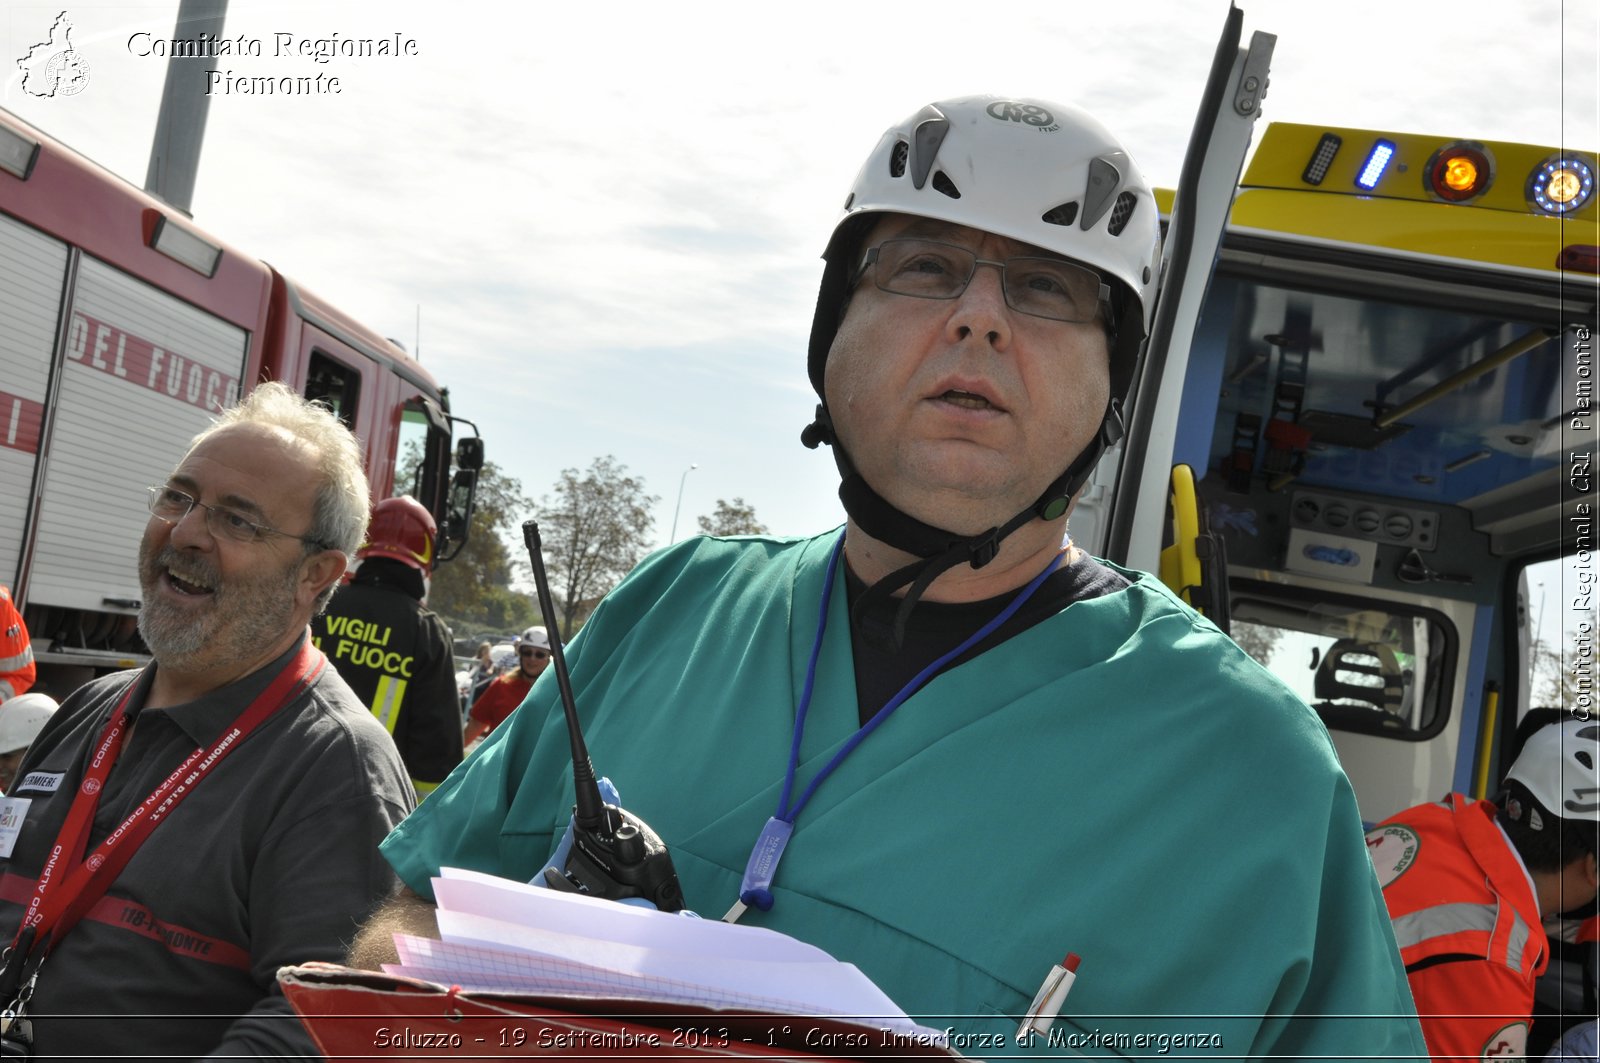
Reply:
x=64, y=893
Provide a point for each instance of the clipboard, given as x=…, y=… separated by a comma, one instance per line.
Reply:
x=356, y=1015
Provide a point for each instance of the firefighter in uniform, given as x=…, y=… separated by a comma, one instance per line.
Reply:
x=16, y=652
x=394, y=652
x=1467, y=882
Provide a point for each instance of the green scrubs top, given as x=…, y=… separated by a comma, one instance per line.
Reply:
x=1120, y=781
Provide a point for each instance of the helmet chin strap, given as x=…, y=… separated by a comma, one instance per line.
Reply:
x=937, y=550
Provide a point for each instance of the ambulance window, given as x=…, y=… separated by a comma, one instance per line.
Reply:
x=337, y=386
x=1365, y=665
x=1556, y=636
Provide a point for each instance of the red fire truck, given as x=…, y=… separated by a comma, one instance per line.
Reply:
x=123, y=329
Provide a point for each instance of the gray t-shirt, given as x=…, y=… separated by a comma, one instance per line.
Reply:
x=271, y=860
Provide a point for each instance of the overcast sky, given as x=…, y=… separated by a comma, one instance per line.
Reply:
x=611, y=219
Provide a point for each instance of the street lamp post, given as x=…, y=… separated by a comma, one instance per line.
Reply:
x=679, y=504
x=1538, y=619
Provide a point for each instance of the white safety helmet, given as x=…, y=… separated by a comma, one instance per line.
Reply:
x=1046, y=174
x=1560, y=766
x=21, y=720
x=534, y=636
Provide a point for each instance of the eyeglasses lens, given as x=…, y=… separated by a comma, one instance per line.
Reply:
x=1043, y=287
x=173, y=505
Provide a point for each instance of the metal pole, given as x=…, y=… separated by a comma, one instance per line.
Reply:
x=181, y=122
x=674, y=536
x=1516, y=348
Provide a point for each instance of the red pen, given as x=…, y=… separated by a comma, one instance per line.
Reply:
x=1048, y=1000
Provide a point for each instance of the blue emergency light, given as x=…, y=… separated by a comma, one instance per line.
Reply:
x=1561, y=184
x=1377, y=162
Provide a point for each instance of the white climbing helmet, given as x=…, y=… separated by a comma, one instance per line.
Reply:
x=1560, y=766
x=1046, y=174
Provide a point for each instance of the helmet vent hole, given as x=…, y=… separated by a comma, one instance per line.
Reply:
x=1583, y=758
x=1121, y=213
x=1065, y=214
x=943, y=184
x=897, y=159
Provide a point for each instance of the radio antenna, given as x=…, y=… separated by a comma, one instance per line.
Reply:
x=590, y=811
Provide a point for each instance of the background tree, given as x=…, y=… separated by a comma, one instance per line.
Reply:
x=1553, y=684
x=1258, y=640
x=732, y=518
x=474, y=591
x=595, y=529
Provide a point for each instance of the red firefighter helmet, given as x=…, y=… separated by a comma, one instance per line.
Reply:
x=403, y=530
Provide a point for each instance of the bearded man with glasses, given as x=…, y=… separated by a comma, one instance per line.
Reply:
x=945, y=744
x=190, y=827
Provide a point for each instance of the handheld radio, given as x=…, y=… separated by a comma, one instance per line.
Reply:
x=615, y=854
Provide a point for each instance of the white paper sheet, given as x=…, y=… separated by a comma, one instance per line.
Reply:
x=475, y=893
x=511, y=937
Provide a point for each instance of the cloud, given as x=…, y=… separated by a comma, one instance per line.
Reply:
x=611, y=217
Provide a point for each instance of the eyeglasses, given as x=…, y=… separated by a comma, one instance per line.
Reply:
x=172, y=505
x=1042, y=287
x=537, y=655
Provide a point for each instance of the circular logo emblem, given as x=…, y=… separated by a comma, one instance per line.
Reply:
x=91, y=786
x=1508, y=1042
x=95, y=861
x=67, y=72
x=1028, y=114
x=1393, y=848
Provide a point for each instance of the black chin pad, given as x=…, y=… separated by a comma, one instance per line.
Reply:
x=881, y=520
x=939, y=550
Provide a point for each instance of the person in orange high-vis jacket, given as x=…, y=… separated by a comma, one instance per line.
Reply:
x=16, y=652
x=501, y=697
x=1466, y=882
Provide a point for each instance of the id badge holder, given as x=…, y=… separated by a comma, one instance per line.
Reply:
x=755, y=890
x=13, y=813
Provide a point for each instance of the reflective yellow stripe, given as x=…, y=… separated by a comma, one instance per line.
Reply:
x=423, y=788
x=386, y=701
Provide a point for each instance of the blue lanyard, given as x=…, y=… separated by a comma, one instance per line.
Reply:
x=756, y=888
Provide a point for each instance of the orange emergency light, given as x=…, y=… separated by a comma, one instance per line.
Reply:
x=1459, y=172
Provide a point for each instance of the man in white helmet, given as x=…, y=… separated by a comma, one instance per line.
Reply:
x=1468, y=884
x=985, y=748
